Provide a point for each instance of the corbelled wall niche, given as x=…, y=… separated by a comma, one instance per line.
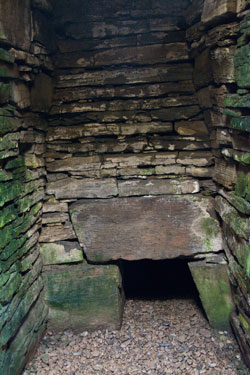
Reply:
x=142, y=151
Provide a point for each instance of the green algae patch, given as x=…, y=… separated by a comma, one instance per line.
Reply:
x=213, y=285
x=242, y=187
x=211, y=230
x=241, y=123
x=83, y=296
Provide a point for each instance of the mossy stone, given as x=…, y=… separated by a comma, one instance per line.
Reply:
x=83, y=296
x=213, y=285
x=242, y=66
x=241, y=123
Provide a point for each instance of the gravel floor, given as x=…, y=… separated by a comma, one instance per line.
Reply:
x=157, y=338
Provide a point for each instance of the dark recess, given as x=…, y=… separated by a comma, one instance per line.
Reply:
x=158, y=279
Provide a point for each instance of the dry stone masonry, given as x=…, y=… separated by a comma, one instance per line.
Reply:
x=124, y=135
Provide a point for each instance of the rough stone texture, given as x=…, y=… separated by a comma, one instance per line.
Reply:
x=145, y=227
x=23, y=313
x=83, y=296
x=213, y=285
x=61, y=252
x=215, y=11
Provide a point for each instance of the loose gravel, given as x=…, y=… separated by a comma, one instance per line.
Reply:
x=157, y=338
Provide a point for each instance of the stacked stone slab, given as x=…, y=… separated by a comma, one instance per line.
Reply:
x=147, y=135
x=127, y=137
x=24, y=61
x=219, y=42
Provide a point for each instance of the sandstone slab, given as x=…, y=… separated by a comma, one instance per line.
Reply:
x=212, y=282
x=69, y=188
x=83, y=296
x=145, y=227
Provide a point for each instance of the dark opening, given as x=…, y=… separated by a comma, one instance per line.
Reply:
x=158, y=279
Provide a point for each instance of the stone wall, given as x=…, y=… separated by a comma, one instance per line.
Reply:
x=25, y=93
x=125, y=120
x=147, y=127
x=219, y=41
x=128, y=137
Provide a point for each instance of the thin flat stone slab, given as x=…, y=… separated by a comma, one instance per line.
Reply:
x=83, y=296
x=134, y=228
x=213, y=284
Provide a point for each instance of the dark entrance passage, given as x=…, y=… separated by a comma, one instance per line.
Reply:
x=159, y=279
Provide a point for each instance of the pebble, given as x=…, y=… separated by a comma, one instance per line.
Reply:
x=158, y=337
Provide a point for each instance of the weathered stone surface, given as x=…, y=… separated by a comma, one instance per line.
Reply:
x=173, y=72
x=57, y=233
x=83, y=297
x=140, y=55
x=61, y=252
x=203, y=74
x=75, y=164
x=217, y=10
x=225, y=173
x=83, y=188
x=16, y=25
x=41, y=93
x=194, y=128
x=21, y=348
x=145, y=227
x=198, y=159
x=241, y=337
x=240, y=224
x=129, y=91
x=241, y=123
x=214, y=288
x=157, y=187
x=223, y=64
x=242, y=68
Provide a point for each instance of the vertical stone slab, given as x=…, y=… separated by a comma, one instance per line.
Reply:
x=213, y=284
x=83, y=296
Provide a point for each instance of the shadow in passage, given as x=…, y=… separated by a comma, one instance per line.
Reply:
x=158, y=279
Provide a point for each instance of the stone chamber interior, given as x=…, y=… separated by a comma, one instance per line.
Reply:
x=124, y=136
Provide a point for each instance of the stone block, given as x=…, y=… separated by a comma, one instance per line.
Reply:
x=213, y=284
x=69, y=188
x=223, y=64
x=225, y=173
x=41, y=93
x=61, y=252
x=15, y=22
x=128, y=76
x=23, y=345
x=145, y=227
x=139, y=55
x=191, y=128
x=157, y=187
x=242, y=67
x=83, y=297
x=55, y=233
x=215, y=11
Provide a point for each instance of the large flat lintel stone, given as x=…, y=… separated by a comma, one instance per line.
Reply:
x=161, y=227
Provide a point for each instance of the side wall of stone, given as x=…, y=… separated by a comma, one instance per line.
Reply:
x=219, y=39
x=25, y=92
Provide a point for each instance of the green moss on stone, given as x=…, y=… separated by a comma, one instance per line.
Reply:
x=83, y=296
x=237, y=101
x=242, y=66
x=211, y=230
x=213, y=285
x=241, y=123
x=6, y=56
x=242, y=187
